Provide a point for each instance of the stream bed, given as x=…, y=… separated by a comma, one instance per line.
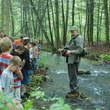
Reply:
x=96, y=85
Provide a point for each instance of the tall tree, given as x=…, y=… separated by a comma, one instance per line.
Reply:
x=65, y=20
x=53, y=17
x=73, y=9
x=90, y=21
x=66, y=23
x=5, y=16
x=12, y=19
x=49, y=22
x=57, y=24
x=85, y=25
x=106, y=20
x=98, y=18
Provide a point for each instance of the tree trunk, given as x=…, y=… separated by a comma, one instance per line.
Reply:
x=53, y=17
x=106, y=20
x=90, y=21
x=57, y=24
x=86, y=20
x=100, y=23
x=73, y=8
x=5, y=16
x=65, y=21
x=12, y=19
x=98, y=18
x=49, y=22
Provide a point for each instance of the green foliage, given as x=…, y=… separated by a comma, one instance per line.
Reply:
x=105, y=57
x=38, y=94
x=28, y=105
x=4, y=98
x=38, y=78
x=60, y=105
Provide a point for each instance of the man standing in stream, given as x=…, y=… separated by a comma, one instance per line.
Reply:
x=72, y=53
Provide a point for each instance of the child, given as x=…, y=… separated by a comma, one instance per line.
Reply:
x=7, y=80
x=6, y=47
x=35, y=53
x=5, y=57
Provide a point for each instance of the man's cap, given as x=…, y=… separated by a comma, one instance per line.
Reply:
x=25, y=38
x=73, y=28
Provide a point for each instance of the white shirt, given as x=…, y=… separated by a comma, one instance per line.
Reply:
x=7, y=82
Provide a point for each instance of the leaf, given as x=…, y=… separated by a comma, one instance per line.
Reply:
x=61, y=101
x=60, y=105
x=28, y=105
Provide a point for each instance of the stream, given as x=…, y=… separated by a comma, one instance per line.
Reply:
x=96, y=85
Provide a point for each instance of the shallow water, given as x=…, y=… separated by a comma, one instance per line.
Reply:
x=96, y=85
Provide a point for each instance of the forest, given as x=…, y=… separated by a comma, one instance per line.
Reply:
x=48, y=22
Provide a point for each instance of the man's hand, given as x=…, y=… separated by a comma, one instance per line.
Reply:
x=68, y=53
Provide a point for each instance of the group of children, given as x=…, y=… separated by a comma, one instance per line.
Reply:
x=17, y=62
